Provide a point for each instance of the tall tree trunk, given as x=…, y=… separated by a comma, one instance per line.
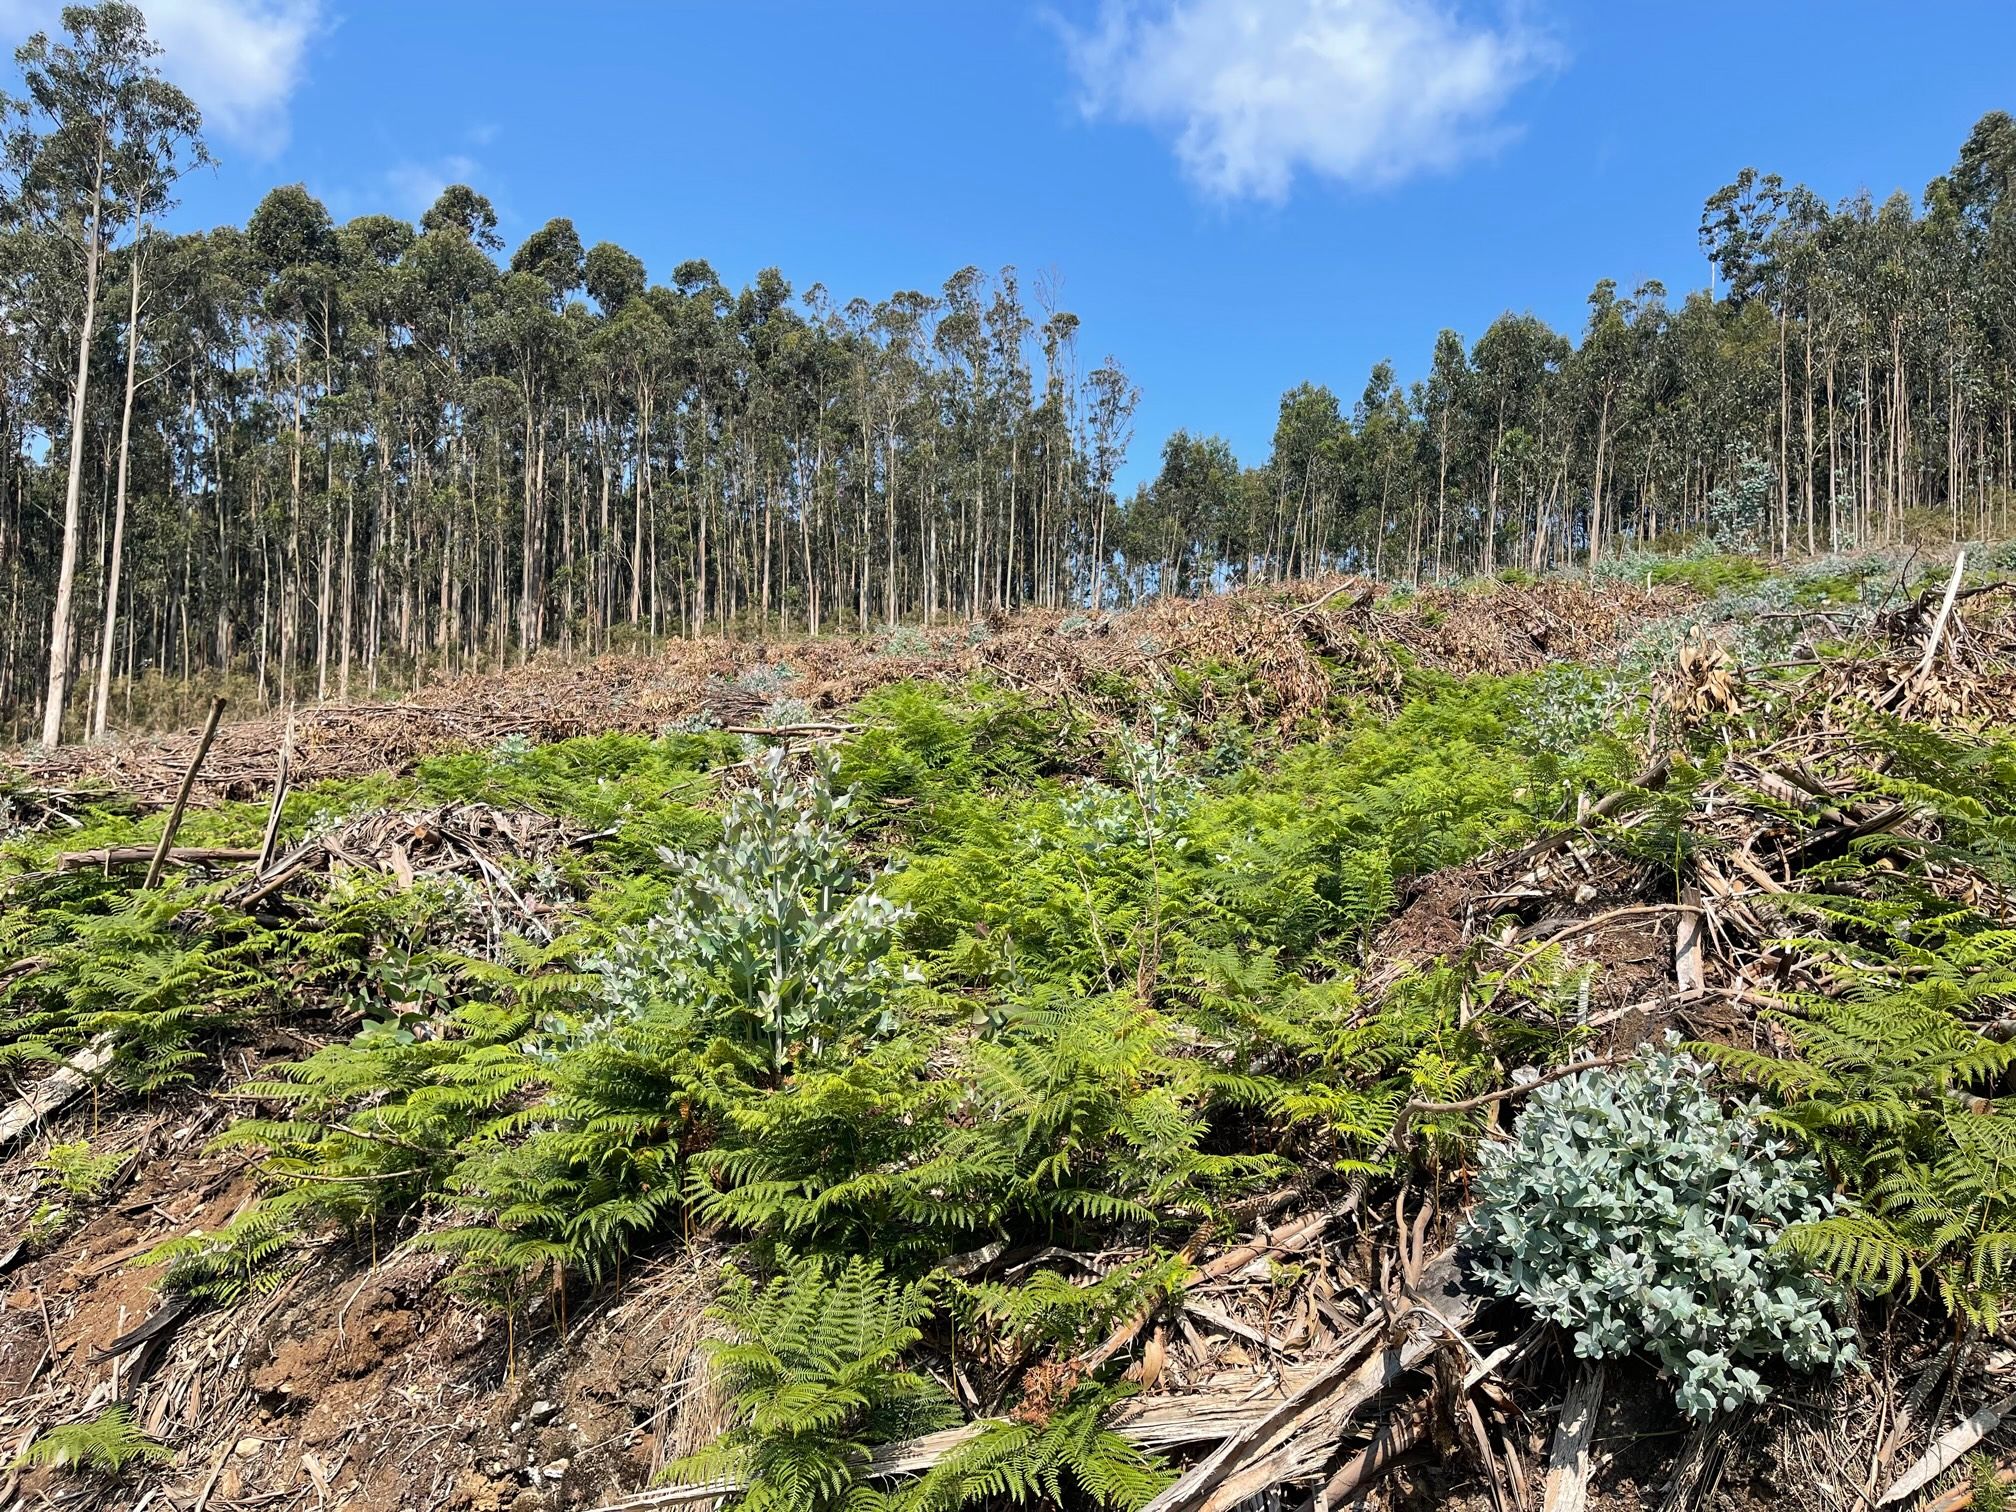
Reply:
x=102, y=694
x=73, y=488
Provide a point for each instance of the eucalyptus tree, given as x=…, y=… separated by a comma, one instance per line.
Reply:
x=1111, y=402
x=1513, y=363
x=95, y=148
x=391, y=449
x=1305, y=469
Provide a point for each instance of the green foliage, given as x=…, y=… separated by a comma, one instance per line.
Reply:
x=1067, y=1460
x=1567, y=705
x=1885, y=1082
x=1710, y=568
x=1077, y=1118
x=247, y=1257
x=925, y=744
x=599, y=1167
x=1991, y=1493
x=1104, y=1116
x=765, y=957
x=1302, y=858
x=1049, y=1308
x=45, y=1223
x=812, y=1365
x=853, y=1157
x=765, y=936
x=152, y=971
x=377, y=1123
x=637, y=794
x=1739, y=511
x=80, y=1173
x=1633, y=1209
x=937, y=995
x=107, y=1445
x=812, y=1361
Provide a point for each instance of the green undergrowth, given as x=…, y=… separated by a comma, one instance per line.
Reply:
x=983, y=975
x=989, y=977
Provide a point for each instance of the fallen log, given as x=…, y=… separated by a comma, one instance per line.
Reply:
x=55, y=1091
x=135, y=855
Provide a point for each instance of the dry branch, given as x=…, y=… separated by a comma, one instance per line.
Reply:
x=1946, y=1451
x=1945, y=613
x=133, y=855
x=54, y=1092
x=182, y=794
x=1568, y=1457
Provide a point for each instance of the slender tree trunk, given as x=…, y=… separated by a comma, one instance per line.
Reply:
x=108, y=638
x=73, y=488
x=1596, y=484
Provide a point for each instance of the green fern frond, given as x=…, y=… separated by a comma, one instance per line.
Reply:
x=107, y=1445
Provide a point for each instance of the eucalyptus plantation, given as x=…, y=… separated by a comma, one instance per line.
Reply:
x=341, y=458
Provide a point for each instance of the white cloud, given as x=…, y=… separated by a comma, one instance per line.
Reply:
x=1363, y=91
x=239, y=60
x=414, y=186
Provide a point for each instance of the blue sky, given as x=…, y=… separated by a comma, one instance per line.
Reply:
x=1235, y=195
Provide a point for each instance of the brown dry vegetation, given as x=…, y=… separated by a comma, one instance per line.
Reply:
x=1278, y=634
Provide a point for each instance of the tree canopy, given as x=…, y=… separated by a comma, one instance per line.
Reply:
x=364, y=454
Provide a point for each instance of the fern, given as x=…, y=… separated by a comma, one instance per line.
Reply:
x=104, y=1445
x=1886, y=1083
x=80, y=1173
x=1047, y=1309
x=812, y=1365
x=247, y=1257
x=151, y=971
x=1067, y=1460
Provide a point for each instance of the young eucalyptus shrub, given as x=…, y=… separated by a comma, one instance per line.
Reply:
x=1634, y=1210
x=769, y=934
x=768, y=950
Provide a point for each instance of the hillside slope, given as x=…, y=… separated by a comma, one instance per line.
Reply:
x=1049, y=1064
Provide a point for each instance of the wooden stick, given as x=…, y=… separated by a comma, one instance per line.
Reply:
x=1690, y=972
x=1945, y=613
x=1947, y=1451
x=216, y=1474
x=133, y=855
x=48, y=1096
x=182, y=794
x=272, y=836
x=1568, y=1458
x=786, y=731
x=1407, y=1110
